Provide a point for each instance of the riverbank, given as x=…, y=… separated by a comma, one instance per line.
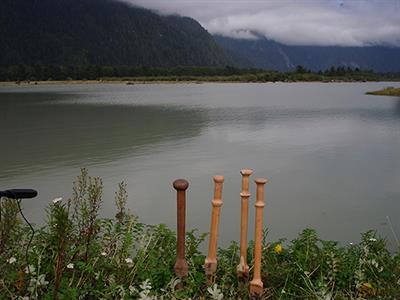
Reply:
x=78, y=255
x=389, y=91
x=169, y=80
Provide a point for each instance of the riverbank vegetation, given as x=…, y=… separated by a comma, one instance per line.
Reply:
x=389, y=91
x=34, y=73
x=79, y=255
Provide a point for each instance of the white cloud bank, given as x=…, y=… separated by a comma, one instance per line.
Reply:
x=293, y=22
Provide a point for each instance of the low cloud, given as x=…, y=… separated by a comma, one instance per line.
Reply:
x=293, y=22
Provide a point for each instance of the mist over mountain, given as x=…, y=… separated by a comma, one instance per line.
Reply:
x=268, y=54
x=100, y=32
x=116, y=33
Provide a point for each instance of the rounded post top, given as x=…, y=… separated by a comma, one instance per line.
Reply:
x=218, y=178
x=246, y=172
x=180, y=184
x=261, y=180
x=245, y=194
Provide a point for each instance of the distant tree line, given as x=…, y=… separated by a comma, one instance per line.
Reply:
x=91, y=72
x=95, y=72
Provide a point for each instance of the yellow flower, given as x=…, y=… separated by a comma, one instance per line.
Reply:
x=366, y=290
x=367, y=285
x=278, y=249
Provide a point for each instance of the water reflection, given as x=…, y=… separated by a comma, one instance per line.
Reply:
x=262, y=115
x=42, y=135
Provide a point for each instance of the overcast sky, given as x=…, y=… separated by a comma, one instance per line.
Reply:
x=295, y=22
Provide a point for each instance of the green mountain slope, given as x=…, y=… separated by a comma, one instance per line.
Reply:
x=100, y=32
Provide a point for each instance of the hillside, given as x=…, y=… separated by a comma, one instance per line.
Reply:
x=267, y=54
x=100, y=32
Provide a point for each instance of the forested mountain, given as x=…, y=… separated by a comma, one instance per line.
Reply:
x=113, y=33
x=100, y=32
x=267, y=54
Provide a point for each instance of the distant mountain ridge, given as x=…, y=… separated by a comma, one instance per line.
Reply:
x=268, y=54
x=101, y=32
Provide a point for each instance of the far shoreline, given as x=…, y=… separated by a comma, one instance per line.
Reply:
x=154, y=80
x=388, y=91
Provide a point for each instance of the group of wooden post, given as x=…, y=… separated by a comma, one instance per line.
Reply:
x=210, y=265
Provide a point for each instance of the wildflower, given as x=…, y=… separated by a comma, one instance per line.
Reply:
x=215, y=292
x=367, y=285
x=351, y=244
x=11, y=260
x=41, y=280
x=30, y=269
x=145, y=290
x=278, y=249
x=70, y=266
x=103, y=253
x=56, y=200
x=132, y=290
x=372, y=240
x=128, y=260
x=366, y=290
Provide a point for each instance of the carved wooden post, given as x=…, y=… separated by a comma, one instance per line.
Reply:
x=181, y=266
x=256, y=285
x=243, y=268
x=210, y=264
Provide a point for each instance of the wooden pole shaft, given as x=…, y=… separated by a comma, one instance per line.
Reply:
x=181, y=266
x=210, y=265
x=243, y=268
x=256, y=285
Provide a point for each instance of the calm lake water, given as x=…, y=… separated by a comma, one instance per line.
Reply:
x=332, y=153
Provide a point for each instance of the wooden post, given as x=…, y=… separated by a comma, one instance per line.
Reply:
x=256, y=285
x=181, y=266
x=210, y=264
x=243, y=268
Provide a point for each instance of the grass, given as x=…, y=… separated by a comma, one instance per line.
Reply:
x=78, y=255
x=388, y=91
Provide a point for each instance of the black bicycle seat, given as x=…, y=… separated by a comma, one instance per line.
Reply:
x=19, y=193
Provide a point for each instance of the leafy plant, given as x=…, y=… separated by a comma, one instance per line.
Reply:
x=79, y=255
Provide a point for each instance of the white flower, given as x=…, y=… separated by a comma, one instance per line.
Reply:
x=351, y=244
x=30, y=269
x=372, y=240
x=56, y=200
x=103, y=254
x=132, y=290
x=42, y=280
x=70, y=266
x=128, y=260
x=146, y=289
x=11, y=260
x=215, y=292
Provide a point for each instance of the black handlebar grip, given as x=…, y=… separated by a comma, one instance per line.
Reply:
x=19, y=193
